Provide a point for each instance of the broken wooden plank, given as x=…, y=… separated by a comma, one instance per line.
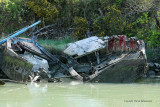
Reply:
x=75, y=74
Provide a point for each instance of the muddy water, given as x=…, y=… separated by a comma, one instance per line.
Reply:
x=80, y=95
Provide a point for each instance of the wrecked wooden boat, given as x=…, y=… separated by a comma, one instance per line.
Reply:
x=94, y=59
x=109, y=59
x=19, y=62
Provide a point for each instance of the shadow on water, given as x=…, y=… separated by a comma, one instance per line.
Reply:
x=78, y=94
x=151, y=80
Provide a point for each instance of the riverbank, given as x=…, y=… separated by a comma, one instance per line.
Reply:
x=153, y=58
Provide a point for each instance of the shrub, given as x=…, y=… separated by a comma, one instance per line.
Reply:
x=12, y=15
x=114, y=21
x=43, y=9
x=81, y=27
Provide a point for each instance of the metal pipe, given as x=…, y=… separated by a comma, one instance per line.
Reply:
x=19, y=32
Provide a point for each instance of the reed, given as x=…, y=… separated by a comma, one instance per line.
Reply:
x=55, y=46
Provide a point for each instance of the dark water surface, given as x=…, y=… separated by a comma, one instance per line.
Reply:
x=76, y=94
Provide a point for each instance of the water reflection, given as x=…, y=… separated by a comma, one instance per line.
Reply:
x=35, y=88
x=77, y=94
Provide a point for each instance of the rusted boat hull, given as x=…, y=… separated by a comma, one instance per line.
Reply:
x=16, y=68
x=123, y=71
x=128, y=66
x=20, y=65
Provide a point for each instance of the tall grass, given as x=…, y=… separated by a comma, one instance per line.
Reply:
x=55, y=46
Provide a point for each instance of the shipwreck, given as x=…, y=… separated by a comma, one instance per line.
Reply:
x=94, y=59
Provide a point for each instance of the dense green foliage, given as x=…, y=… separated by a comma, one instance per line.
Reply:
x=43, y=9
x=13, y=14
x=138, y=18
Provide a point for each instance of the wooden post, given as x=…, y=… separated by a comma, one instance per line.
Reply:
x=97, y=56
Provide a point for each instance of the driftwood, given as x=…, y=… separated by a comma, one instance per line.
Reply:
x=44, y=28
x=52, y=31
